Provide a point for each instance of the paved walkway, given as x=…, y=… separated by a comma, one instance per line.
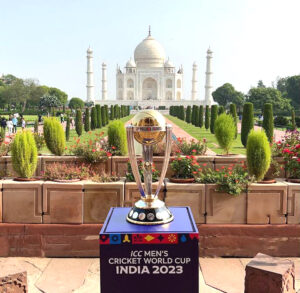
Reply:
x=278, y=134
x=82, y=275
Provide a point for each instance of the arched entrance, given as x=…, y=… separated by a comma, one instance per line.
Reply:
x=149, y=89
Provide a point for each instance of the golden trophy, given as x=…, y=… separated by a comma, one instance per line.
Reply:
x=148, y=128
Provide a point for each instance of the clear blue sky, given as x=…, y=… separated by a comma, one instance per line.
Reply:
x=251, y=40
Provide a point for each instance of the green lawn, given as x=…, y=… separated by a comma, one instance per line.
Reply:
x=84, y=136
x=200, y=133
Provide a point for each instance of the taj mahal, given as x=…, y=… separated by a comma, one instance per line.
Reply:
x=150, y=79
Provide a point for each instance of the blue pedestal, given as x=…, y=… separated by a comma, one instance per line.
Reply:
x=144, y=259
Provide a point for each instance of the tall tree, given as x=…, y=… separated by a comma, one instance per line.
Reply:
x=76, y=103
x=226, y=94
x=290, y=89
x=62, y=96
x=259, y=96
x=78, y=122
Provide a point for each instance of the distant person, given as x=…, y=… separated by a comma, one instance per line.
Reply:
x=61, y=118
x=40, y=118
x=10, y=126
x=15, y=124
x=23, y=123
x=3, y=123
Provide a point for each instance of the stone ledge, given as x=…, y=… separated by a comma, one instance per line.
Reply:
x=67, y=240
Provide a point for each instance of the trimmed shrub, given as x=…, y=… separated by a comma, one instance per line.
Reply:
x=268, y=122
x=258, y=154
x=98, y=114
x=54, y=136
x=78, y=122
x=221, y=110
x=232, y=110
x=68, y=129
x=213, y=117
x=94, y=120
x=24, y=154
x=87, y=120
x=207, y=120
x=188, y=116
x=297, y=120
x=225, y=131
x=112, y=115
x=247, y=122
x=116, y=133
x=201, y=113
x=293, y=120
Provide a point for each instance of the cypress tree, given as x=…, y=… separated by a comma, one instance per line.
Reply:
x=268, y=122
x=94, y=118
x=197, y=116
x=214, y=115
x=103, y=116
x=193, y=114
x=181, y=113
x=68, y=129
x=112, y=115
x=201, y=113
x=188, y=116
x=116, y=111
x=98, y=119
x=221, y=110
x=87, y=120
x=207, y=120
x=293, y=120
x=106, y=114
x=78, y=122
x=247, y=122
x=232, y=111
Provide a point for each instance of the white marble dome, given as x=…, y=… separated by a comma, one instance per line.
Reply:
x=149, y=53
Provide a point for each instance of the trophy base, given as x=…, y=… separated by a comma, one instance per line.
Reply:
x=154, y=213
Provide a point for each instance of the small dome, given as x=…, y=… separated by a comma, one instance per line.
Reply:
x=168, y=63
x=89, y=50
x=149, y=53
x=130, y=63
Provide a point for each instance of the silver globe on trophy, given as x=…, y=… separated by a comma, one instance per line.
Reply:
x=148, y=128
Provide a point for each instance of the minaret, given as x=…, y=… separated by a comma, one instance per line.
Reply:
x=90, y=97
x=208, y=87
x=194, y=82
x=104, y=82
